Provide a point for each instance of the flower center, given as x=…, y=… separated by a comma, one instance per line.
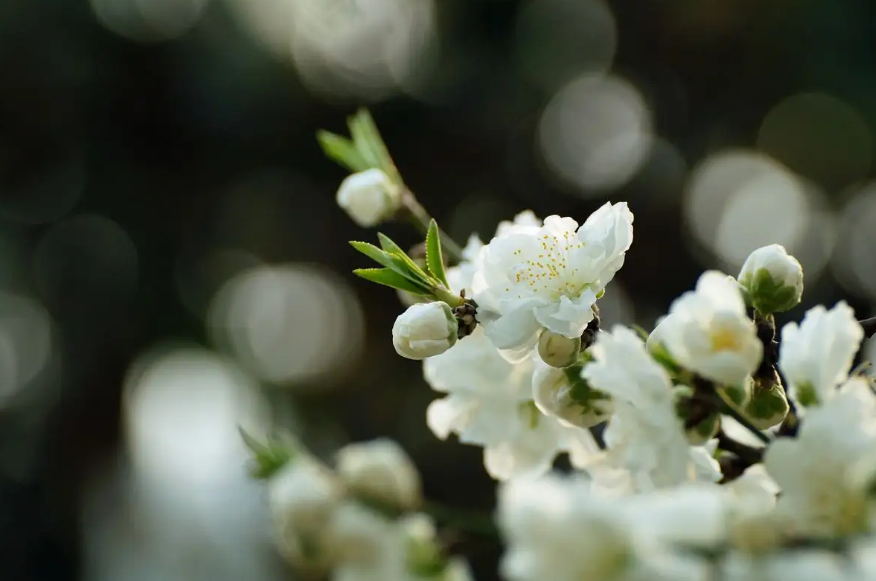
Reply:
x=723, y=339
x=547, y=271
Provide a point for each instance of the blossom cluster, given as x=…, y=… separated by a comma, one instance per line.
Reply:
x=716, y=446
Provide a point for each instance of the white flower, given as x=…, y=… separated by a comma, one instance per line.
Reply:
x=549, y=277
x=425, y=330
x=552, y=391
x=772, y=278
x=374, y=548
x=816, y=471
x=369, y=197
x=462, y=275
x=489, y=403
x=708, y=332
x=817, y=354
x=556, y=529
x=799, y=565
x=379, y=470
x=644, y=435
x=303, y=497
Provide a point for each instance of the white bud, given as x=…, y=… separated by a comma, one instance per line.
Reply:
x=303, y=497
x=557, y=350
x=369, y=197
x=381, y=471
x=772, y=279
x=552, y=391
x=425, y=330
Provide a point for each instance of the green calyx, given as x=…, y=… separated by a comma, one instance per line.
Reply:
x=769, y=295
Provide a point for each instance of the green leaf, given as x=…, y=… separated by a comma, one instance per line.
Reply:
x=395, y=250
x=269, y=458
x=391, y=279
x=434, y=259
x=368, y=141
x=341, y=150
x=401, y=264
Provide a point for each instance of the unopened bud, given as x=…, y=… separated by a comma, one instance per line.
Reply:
x=425, y=330
x=768, y=405
x=303, y=497
x=557, y=350
x=772, y=279
x=565, y=395
x=379, y=471
x=704, y=430
x=369, y=197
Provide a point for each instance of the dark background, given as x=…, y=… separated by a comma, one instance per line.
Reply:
x=148, y=155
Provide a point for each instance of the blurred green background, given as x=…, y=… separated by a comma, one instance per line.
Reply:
x=172, y=262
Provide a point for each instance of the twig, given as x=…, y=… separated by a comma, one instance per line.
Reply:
x=420, y=218
x=469, y=521
x=869, y=326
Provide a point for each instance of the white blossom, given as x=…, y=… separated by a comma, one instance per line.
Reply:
x=707, y=331
x=489, y=403
x=552, y=391
x=369, y=197
x=379, y=470
x=815, y=471
x=817, y=354
x=549, y=276
x=556, y=528
x=644, y=435
x=425, y=330
x=303, y=497
x=772, y=278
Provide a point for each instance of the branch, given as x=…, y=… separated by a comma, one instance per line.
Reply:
x=869, y=326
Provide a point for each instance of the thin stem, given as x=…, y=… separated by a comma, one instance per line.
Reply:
x=869, y=326
x=469, y=521
x=748, y=454
x=729, y=410
x=418, y=215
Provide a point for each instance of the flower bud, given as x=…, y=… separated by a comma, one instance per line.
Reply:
x=369, y=197
x=772, y=279
x=425, y=330
x=303, y=497
x=379, y=471
x=557, y=350
x=565, y=395
x=703, y=431
x=768, y=405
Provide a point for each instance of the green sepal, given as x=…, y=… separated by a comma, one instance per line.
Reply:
x=342, y=150
x=768, y=295
x=392, y=279
x=267, y=458
x=434, y=258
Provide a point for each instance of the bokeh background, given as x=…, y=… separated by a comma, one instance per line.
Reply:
x=173, y=265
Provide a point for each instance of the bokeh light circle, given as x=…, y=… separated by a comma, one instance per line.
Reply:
x=289, y=324
x=739, y=200
x=595, y=133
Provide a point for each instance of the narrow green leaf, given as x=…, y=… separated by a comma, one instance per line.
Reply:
x=395, y=250
x=392, y=279
x=397, y=263
x=434, y=259
x=370, y=144
x=341, y=150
